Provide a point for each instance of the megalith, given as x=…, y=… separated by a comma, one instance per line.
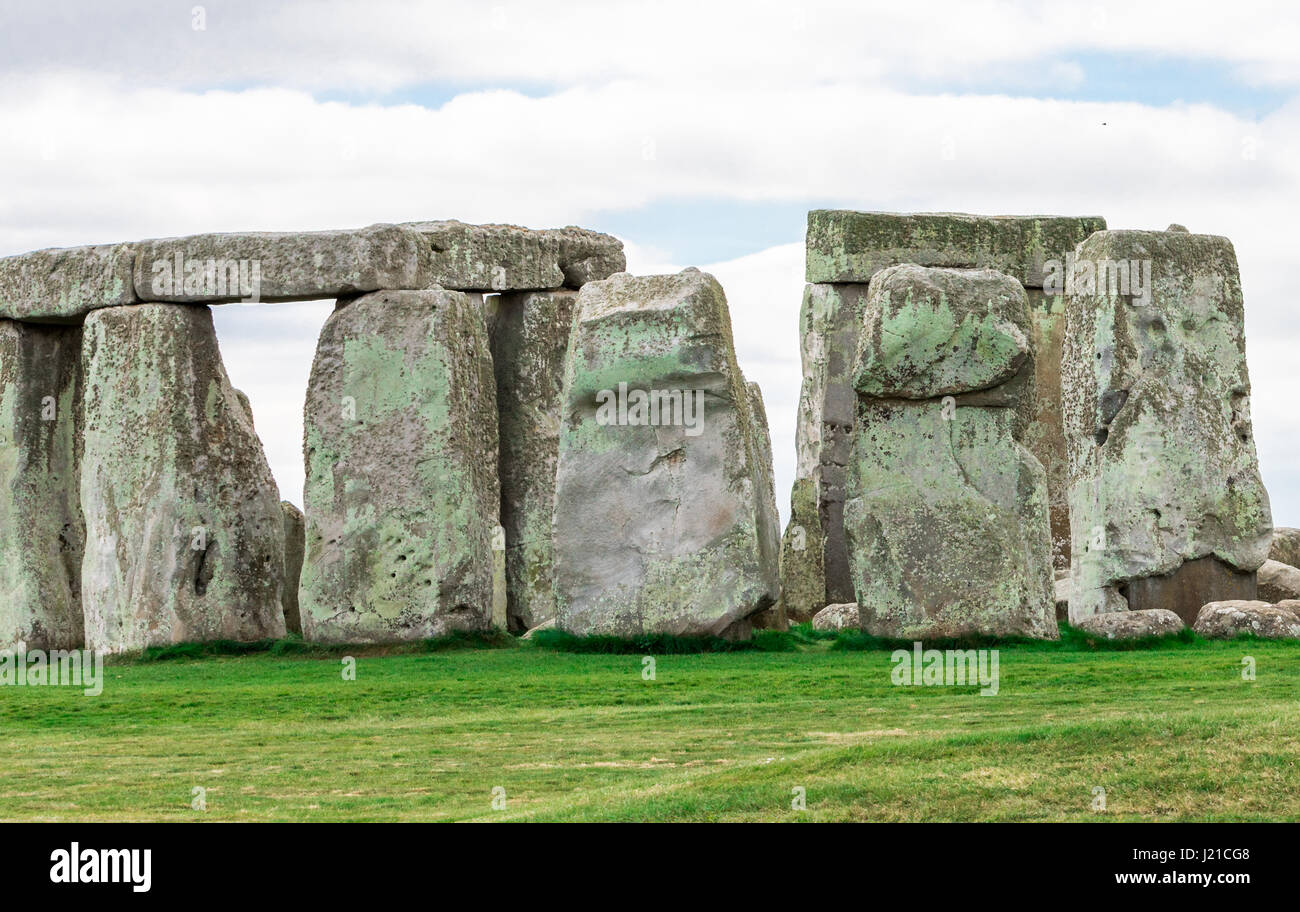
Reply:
x=845, y=249
x=295, y=545
x=659, y=523
x=1167, y=508
x=184, y=537
x=530, y=338
x=945, y=510
x=42, y=535
x=402, y=499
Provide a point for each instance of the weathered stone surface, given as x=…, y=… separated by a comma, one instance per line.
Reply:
x=402, y=498
x=42, y=535
x=1292, y=605
x=851, y=247
x=803, y=579
x=1278, y=581
x=658, y=527
x=837, y=617
x=530, y=338
x=277, y=266
x=945, y=514
x=295, y=546
x=1286, y=546
x=830, y=322
x=847, y=246
x=510, y=258
x=1045, y=436
x=1128, y=625
x=65, y=283
x=1181, y=590
x=929, y=333
x=184, y=536
x=1061, y=593
x=1156, y=405
x=1225, y=620
x=768, y=518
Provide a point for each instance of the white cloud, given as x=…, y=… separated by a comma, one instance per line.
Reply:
x=92, y=159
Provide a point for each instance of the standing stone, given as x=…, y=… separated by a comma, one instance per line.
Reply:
x=1156, y=395
x=42, y=535
x=402, y=498
x=658, y=521
x=530, y=338
x=183, y=525
x=295, y=544
x=768, y=518
x=945, y=514
x=845, y=249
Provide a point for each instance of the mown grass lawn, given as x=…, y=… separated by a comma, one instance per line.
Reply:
x=1172, y=733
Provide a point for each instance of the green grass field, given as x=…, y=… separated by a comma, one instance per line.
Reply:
x=1170, y=733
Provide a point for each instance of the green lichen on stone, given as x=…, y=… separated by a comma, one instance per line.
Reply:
x=401, y=456
x=530, y=338
x=658, y=530
x=64, y=284
x=945, y=511
x=848, y=246
x=1156, y=402
x=184, y=535
x=916, y=345
x=42, y=534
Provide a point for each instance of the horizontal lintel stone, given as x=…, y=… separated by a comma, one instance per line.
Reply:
x=63, y=284
x=848, y=246
x=278, y=266
x=510, y=258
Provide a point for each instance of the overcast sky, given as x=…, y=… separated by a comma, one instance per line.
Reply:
x=700, y=133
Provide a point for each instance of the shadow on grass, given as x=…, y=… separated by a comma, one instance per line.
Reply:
x=295, y=646
x=799, y=638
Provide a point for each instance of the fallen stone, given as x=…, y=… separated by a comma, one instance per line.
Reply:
x=1292, y=605
x=837, y=617
x=184, y=535
x=847, y=246
x=295, y=545
x=1225, y=620
x=1129, y=625
x=1277, y=582
x=279, y=266
x=64, y=284
x=402, y=498
x=42, y=535
x=529, y=339
x=510, y=258
x=945, y=514
x=1286, y=546
x=658, y=527
x=1156, y=408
